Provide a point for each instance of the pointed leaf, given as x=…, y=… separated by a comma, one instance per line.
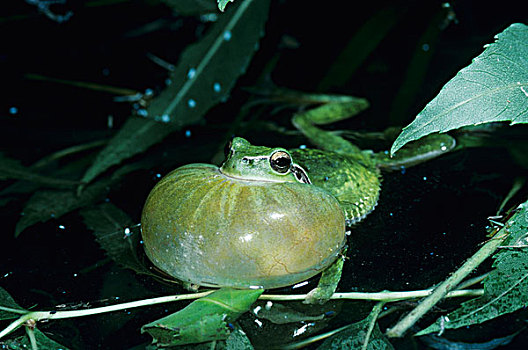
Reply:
x=6, y=304
x=205, y=75
x=12, y=169
x=23, y=342
x=494, y=87
x=505, y=288
x=52, y=204
x=356, y=335
x=108, y=224
x=203, y=320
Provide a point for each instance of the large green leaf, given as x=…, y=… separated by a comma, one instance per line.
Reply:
x=203, y=320
x=205, y=76
x=505, y=288
x=494, y=87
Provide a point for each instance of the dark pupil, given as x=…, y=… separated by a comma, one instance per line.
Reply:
x=281, y=163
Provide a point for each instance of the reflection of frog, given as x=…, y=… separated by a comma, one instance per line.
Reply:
x=256, y=220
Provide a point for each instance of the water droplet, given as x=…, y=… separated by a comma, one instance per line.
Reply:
x=302, y=147
x=191, y=73
x=227, y=35
x=168, y=82
x=62, y=227
x=191, y=103
x=187, y=133
x=425, y=178
x=425, y=47
x=142, y=112
x=402, y=170
x=149, y=92
x=257, y=309
x=13, y=110
x=165, y=118
x=217, y=87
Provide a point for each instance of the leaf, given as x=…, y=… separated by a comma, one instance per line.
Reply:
x=12, y=169
x=48, y=204
x=43, y=342
x=355, y=335
x=505, y=288
x=191, y=7
x=282, y=314
x=205, y=76
x=108, y=224
x=494, y=87
x=52, y=204
x=208, y=69
x=238, y=340
x=7, y=302
x=205, y=319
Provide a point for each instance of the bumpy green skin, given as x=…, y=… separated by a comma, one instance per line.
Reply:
x=204, y=227
x=353, y=179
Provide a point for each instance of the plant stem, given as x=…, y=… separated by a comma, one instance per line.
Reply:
x=443, y=289
x=381, y=296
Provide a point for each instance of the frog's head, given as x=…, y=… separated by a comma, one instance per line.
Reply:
x=258, y=163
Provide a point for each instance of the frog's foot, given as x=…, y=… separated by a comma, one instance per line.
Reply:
x=191, y=287
x=327, y=283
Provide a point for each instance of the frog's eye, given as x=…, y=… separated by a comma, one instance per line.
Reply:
x=280, y=162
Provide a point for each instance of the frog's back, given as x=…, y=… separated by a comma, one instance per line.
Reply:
x=353, y=179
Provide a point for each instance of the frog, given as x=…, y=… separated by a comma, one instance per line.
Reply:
x=237, y=219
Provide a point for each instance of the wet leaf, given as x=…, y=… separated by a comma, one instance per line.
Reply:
x=356, y=334
x=205, y=76
x=52, y=204
x=205, y=319
x=48, y=204
x=7, y=302
x=43, y=342
x=12, y=169
x=116, y=234
x=191, y=7
x=281, y=314
x=494, y=87
x=237, y=340
x=505, y=288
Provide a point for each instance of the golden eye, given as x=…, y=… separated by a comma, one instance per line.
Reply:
x=280, y=162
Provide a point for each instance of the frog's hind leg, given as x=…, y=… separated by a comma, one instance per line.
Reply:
x=327, y=283
x=342, y=108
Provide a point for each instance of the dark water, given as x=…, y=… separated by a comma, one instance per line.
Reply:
x=429, y=219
